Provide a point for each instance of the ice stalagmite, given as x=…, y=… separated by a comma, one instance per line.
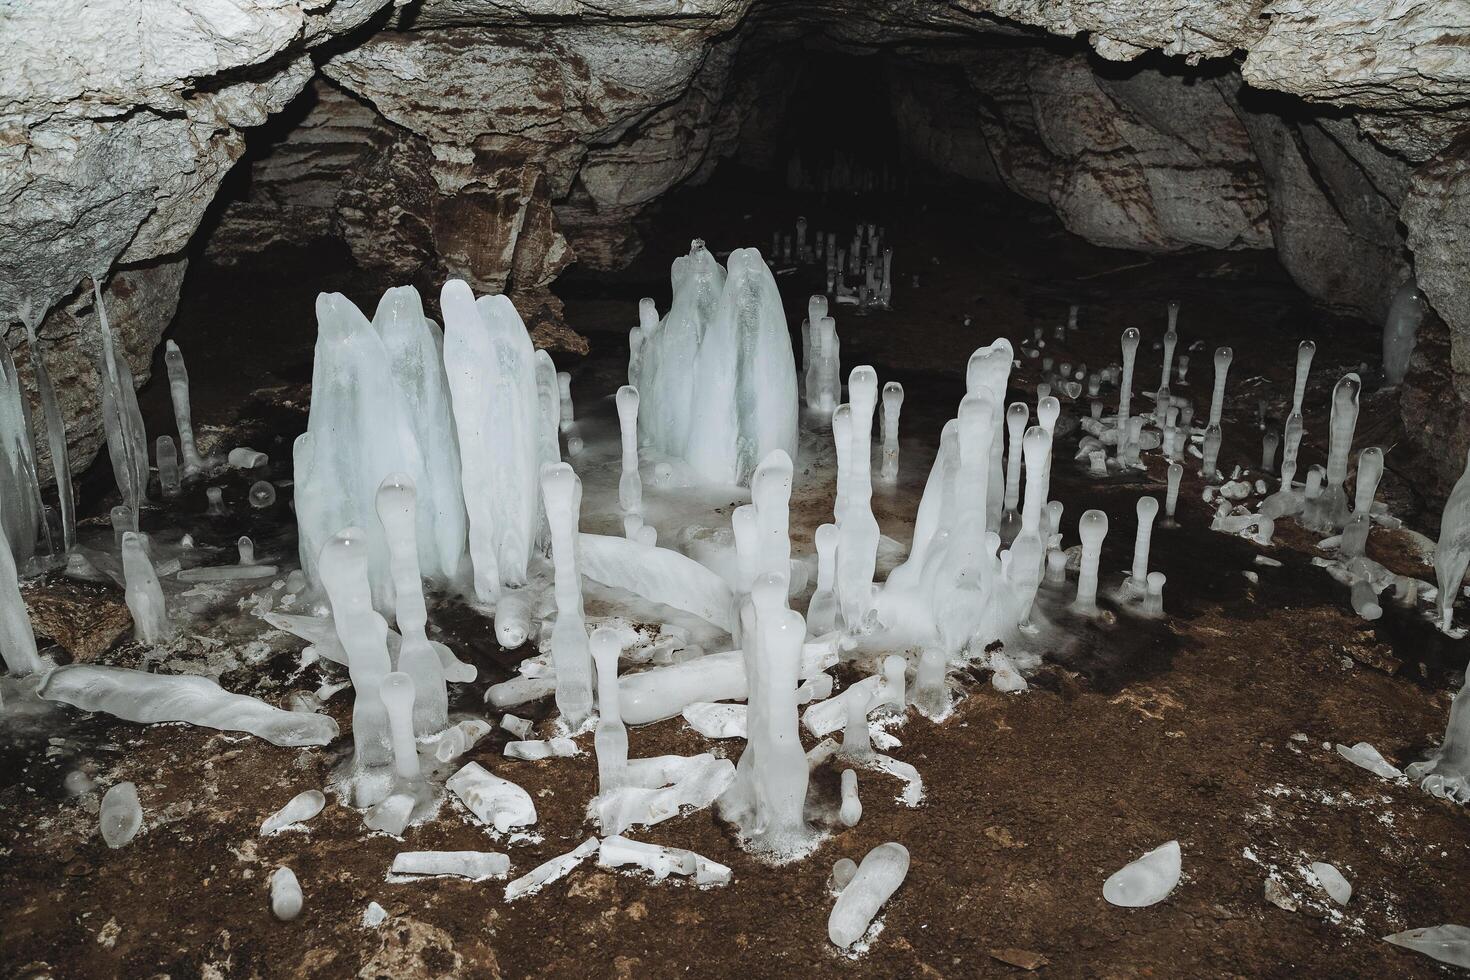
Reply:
x=127, y=442
x=396, y=690
x=1223, y=357
x=17, y=639
x=745, y=377
x=1355, y=533
x=55, y=429
x=667, y=379
x=178, y=390
x=1017, y=415
x=611, y=738
x=564, y=392
x=20, y=511
x=414, y=348
x=492, y=383
x=769, y=793
x=877, y=878
x=1028, y=551
x=892, y=405
x=821, y=613
x=630, y=484
x=1452, y=551
x=1329, y=512
x=1092, y=529
x=549, y=400
x=857, y=529
x=357, y=433
x=569, y=651
x=364, y=635
x=770, y=489
x=1171, y=495
x=1446, y=773
x=144, y=595
x=170, y=477
x=1125, y=391
x=990, y=367
x=1304, y=353
x=1148, y=509
x=397, y=506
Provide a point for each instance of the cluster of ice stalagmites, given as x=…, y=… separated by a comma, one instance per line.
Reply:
x=717, y=375
x=380, y=406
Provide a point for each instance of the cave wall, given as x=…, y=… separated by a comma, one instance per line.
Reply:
x=502, y=141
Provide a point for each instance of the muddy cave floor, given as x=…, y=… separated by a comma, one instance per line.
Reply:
x=1213, y=726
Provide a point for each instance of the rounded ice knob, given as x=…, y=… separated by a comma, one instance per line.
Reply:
x=1148, y=880
x=286, y=898
x=1130, y=341
x=396, y=690
x=1048, y=410
x=262, y=494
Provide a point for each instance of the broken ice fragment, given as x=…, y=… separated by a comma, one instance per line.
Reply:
x=1366, y=756
x=519, y=727
x=374, y=915
x=474, y=865
x=546, y=873
x=843, y=870
x=391, y=815
x=877, y=878
x=553, y=748
x=698, y=781
x=495, y=801
x=302, y=807
x=1446, y=943
x=121, y=815
x=1147, y=880
x=1333, y=883
x=286, y=897
x=716, y=720
x=617, y=851
x=852, y=807
x=134, y=695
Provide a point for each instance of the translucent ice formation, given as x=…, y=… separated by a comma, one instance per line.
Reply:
x=17, y=639
x=857, y=529
x=545, y=874
x=397, y=506
x=121, y=815
x=662, y=787
x=990, y=368
x=55, y=428
x=852, y=807
x=769, y=793
x=301, y=808
x=1405, y=314
x=1125, y=390
x=362, y=428
x=1446, y=773
x=22, y=516
x=1146, y=881
x=170, y=478
x=745, y=377
x=611, y=738
x=672, y=350
x=1148, y=509
x=1171, y=497
x=562, y=491
x=1223, y=357
x=1367, y=757
x=364, y=636
x=494, y=801
x=127, y=442
x=630, y=486
x=474, y=865
x=133, y=695
x=178, y=389
x=878, y=877
x=931, y=692
x=1446, y=943
x=658, y=574
x=1091, y=529
x=617, y=852
x=1333, y=883
x=1329, y=511
x=396, y=690
x=286, y=899
x=892, y=405
x=1452, y=551
x=1304, y=352
x=143, y=593
x=497, y=415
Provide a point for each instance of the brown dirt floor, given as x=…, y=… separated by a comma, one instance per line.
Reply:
x=1213, y=727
